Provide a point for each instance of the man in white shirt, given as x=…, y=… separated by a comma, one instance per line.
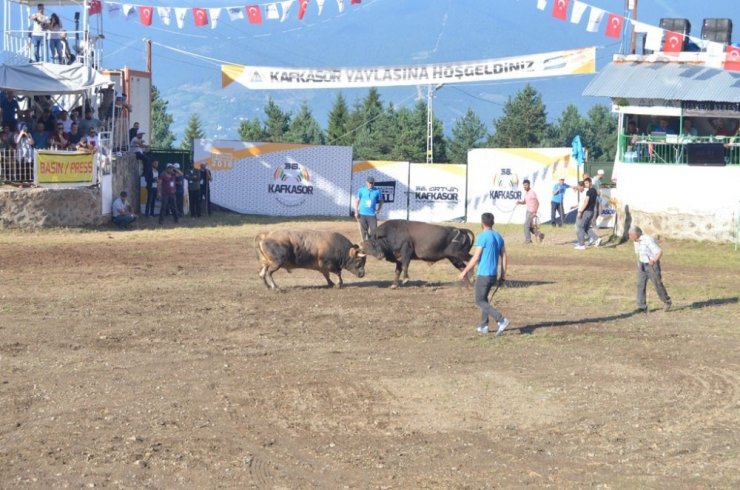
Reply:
x=648, y=267
x=122, y=212
x=39, y=25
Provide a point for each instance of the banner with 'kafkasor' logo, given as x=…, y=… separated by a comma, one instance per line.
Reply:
x=277, y=179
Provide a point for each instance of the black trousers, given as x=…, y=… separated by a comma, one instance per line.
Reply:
x=167, y=205
x=195, y=199
x=151, y=199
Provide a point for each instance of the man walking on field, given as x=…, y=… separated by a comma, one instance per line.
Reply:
x=489, y=247
x=648, y=267
x=533, y=204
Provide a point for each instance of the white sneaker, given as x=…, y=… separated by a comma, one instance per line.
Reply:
x=483, y=329
x=580, y=247
x=502, y=326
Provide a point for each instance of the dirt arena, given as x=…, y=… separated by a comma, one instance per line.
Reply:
x=156, y=358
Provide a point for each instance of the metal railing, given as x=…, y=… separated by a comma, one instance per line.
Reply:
x=85, y=50
x=676, y=150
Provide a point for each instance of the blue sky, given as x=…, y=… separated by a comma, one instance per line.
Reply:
x=376, y=33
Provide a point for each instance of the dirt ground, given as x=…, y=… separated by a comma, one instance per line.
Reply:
x=156, y=358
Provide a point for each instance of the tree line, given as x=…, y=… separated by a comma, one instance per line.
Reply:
x=378, y=131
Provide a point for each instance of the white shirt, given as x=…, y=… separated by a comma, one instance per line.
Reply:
x=119, y=208
x=646, y=249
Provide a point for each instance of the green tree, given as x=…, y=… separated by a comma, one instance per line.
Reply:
x=338, y=130
x=304, y=128
x=161, y=136
x=192, y=131
x=277, y=123
x=469, y=132
x=251, y=130
x=600, y=134
x=567, y=127
x=524, y=122
x=365, y=120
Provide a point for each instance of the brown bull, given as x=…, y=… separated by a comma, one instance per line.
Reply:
x=323, y=251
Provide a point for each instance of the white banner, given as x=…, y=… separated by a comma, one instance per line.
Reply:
x=437, y=192
x=556, y=63
x=391, y=178
x=277, y=179
x=495, y=179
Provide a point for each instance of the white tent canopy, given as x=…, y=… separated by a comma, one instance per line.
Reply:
x=47, y=78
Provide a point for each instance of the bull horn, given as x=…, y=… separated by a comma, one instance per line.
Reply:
x=361, y=254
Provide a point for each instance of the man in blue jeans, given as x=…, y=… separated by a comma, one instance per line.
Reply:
x=122, y=212
x=489, y=247
x=556, y=203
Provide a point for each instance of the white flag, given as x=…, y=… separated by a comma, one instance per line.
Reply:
x=271, y=11
x=287, y=4
x=594, y=19
x=714, y=48
x=577, y=13
x=653, y=35
x=114, y=9
x=340, y=5
x=235, y=13
x=320, y=3
x=165, y=15
x=541, y=4
x=180, y=13
x=214, y=13
x=129, y=11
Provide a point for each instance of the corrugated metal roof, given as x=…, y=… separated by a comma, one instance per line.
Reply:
x=666, y=81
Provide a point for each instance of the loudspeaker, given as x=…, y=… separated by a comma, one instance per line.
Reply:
x=717, y=30
x=682, y=26
x=705, y=154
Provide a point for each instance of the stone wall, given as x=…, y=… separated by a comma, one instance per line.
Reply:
x=75, y=207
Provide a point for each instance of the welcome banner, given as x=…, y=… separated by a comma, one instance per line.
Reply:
x=64, y=167
x=555, y=63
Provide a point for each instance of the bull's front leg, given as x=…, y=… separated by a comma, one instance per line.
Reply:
x=397, y=276
x=329, y=282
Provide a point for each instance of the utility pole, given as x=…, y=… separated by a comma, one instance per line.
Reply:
x=430, y=122
x=632, y=6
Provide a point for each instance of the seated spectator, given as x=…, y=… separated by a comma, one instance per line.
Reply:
x=74, y=135
x=48, y=119
x=133, y=131
x=90, y=142
x=58, y=140
x=688, y=129
x=65, y=120
x=663, y=128
x=88, y=122
x=122, y=212
x=139, y=148
x=718, y=125
x=40, y=136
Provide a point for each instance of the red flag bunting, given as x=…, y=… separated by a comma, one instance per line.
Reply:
x=354, y=2
x=200, y=16
x=302, y=9
x=145, y=15
x=254, y=14
x=732, y=58
x=673, y=42
x=94, y=7
x=614, y=26
x=560, y=9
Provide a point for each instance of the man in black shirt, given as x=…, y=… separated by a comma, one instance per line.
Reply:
x=585, y=213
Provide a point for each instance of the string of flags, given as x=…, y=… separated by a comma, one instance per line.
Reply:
x=656, y=38
x=254, y=14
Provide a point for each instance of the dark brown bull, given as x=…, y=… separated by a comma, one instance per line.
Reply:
x=401, y=241
x=323, y=251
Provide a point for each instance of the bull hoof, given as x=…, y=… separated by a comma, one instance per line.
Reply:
x=405, y=281
x=394, y=285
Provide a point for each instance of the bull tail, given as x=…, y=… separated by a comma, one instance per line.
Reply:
x=258, y=247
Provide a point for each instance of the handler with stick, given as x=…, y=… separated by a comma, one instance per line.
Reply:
x=489, y=246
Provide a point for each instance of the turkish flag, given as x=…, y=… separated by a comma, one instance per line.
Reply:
x=254, y=14
x=673, y=42
x=94, y=7
x=560, y=9
x=200, y=16
x=353, y=2
x=614, y=26
x=145, y=15
x=732, y=58
x=302, y=9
